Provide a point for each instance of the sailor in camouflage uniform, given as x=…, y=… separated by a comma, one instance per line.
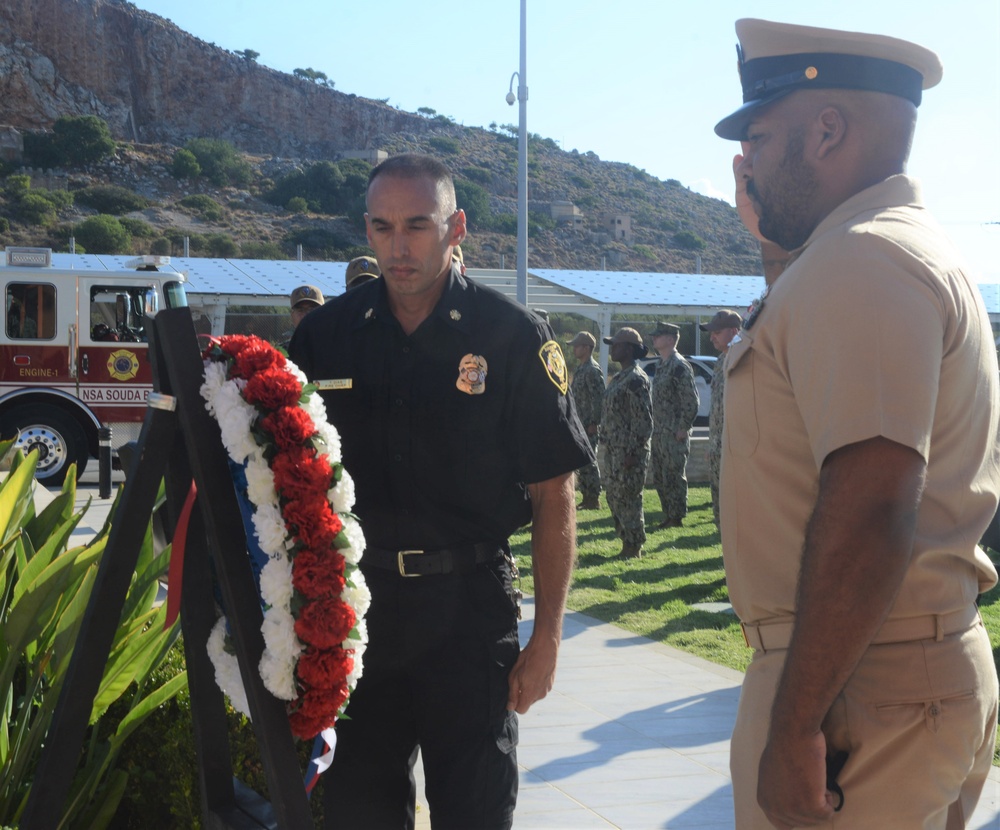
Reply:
x=588, y=392
x=722, y=328
x=626, y=425
x=675, y=406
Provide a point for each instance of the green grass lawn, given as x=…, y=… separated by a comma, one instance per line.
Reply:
x=681, y=567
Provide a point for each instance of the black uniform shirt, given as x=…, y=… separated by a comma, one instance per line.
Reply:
x=436, y=465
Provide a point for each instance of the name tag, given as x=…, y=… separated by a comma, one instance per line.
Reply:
x=335, y=383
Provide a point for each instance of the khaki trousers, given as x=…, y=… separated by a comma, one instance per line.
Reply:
x=918, y=720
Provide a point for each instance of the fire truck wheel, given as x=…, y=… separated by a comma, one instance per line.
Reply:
x=55, y=436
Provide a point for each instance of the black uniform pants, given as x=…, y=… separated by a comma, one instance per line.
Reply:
x=435, y=676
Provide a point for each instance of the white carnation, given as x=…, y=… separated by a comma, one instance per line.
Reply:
x=235, y=417
x=281, y=652
x=269, y=527
x=328, y=432
x=276, y=583
x=356, y=541
x=357, y=594
x=296, y=372
x=227, y=668
x=341, y=496
x=260, y=480
x=215, y=377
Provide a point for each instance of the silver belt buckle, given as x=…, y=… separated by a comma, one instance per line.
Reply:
x=401, y=562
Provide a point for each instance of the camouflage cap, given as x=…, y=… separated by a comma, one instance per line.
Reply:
x=360, y=270
x=724, y=319
x=306, y=294
x=584, y=338
x=628, y=335
x=668, y=329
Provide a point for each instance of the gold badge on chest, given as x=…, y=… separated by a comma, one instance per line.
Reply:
x=472, y=374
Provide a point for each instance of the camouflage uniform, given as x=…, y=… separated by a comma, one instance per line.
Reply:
x=588, y=392
x=714, y=451
x=626, y=425
x=675, y=406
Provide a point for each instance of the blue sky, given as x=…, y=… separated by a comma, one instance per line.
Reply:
x=641, y=82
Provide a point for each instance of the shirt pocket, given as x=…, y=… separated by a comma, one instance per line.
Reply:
x=742, y=430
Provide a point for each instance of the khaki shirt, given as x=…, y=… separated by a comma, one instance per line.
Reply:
x=875, y=329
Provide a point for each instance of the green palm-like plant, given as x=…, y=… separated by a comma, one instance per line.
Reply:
x=45, y=586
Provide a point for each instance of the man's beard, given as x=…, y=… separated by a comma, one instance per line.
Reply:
x=787, y=205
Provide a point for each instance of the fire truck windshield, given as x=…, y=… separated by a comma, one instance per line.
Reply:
x=173, y=293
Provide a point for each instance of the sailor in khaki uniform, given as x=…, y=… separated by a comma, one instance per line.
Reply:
x=860, y=459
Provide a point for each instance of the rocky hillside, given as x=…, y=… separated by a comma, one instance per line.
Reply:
x=108, y=58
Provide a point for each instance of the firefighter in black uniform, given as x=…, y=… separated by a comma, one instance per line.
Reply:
x=456, y=427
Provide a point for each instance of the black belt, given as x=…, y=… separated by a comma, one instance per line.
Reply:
x=459, y=560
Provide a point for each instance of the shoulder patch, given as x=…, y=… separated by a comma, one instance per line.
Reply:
x=555, y=364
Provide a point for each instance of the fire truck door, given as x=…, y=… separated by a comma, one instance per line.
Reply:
x=114, y=372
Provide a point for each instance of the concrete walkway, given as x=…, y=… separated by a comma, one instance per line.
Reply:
x=635, y=734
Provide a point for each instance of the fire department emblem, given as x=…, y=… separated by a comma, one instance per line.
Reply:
x=123, y=364
x=555, y=365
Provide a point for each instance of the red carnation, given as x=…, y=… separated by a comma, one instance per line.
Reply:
x=272, y=389
x=325, y=668
x=316, y=711
x=233, y=344
x=301, y=473
x=316, y=575
x=312, y=521
x=290, y=426
x=323, y=704
x=325, y=622
x=256, y=356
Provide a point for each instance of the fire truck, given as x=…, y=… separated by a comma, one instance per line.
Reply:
x=74, y=353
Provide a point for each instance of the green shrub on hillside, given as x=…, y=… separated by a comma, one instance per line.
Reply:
x=445, y=144
x=205, y=206
x=16, y=186
x=474, y=200
x=185, y=165
x=505, y=223
x=479, y=175
x=334, y=188
x=221, y=163
x=103, y=234
x=74, y=140
x=138, y=227
x=111, y=198
x=34, y=209
x=161, y=246
x=83, y=139
x=221, y=245
x=689, y=241
x=262, y=250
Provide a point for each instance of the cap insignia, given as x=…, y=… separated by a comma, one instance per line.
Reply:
x=369, y=314
x=811, y=72
x=455, y=314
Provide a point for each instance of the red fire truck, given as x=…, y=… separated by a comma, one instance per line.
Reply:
x=73, y=353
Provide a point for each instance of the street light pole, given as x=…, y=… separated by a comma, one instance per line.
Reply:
x=522, y=161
